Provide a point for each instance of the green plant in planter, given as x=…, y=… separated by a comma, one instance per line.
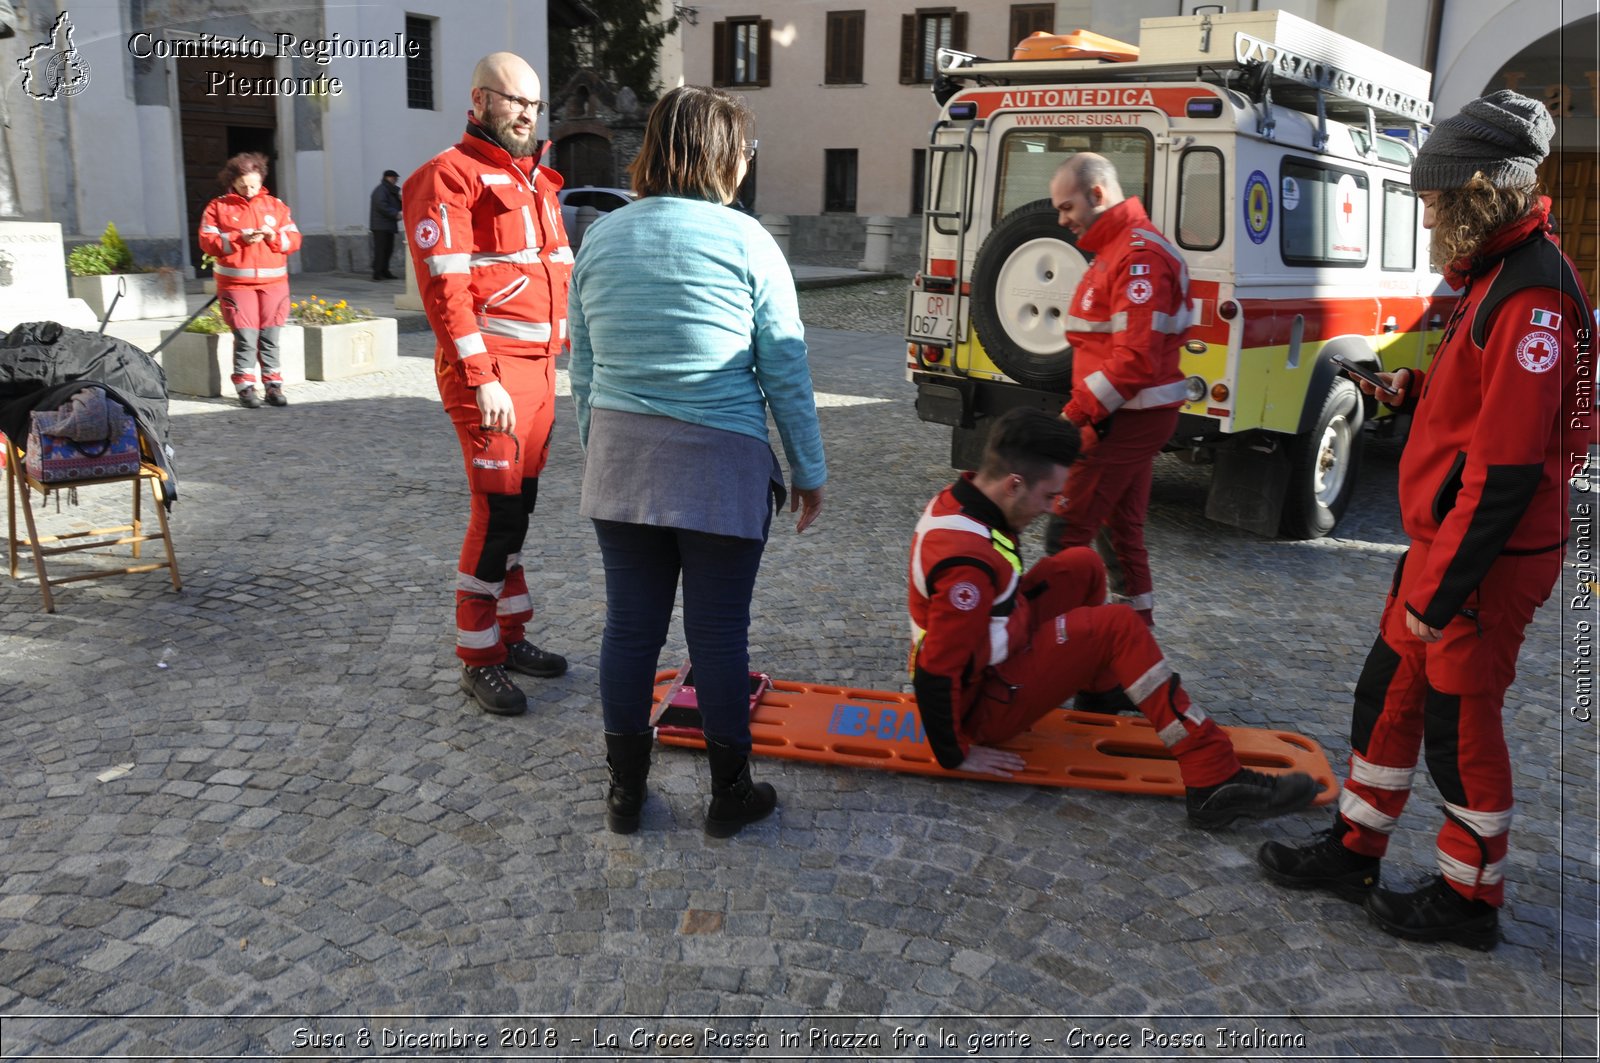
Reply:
x=110, y=255
x=209, y=323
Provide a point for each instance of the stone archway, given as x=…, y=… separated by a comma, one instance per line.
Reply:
x=1562, y=68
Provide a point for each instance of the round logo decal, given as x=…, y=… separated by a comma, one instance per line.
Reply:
x=427, y=233
x=1539, y=351
x=1257, y=207
x=1139, y=290
x=964, y=596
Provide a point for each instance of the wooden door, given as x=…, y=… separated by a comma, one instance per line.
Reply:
x=1572, y=179
x=217, y=127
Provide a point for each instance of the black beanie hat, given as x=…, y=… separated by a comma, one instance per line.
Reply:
x=1504, y=136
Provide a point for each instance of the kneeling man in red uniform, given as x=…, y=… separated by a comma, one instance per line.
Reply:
x=996, y=648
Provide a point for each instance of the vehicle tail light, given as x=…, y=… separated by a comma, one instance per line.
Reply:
x=1194, y=389
x=1228, y=310
x=1220, y=392
x=934, y=355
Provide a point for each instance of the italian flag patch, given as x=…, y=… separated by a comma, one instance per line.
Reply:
x=1545, y=319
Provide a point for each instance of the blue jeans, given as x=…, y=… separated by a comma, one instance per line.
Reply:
x=643, y=564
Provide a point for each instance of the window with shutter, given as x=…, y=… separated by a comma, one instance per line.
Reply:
x=922, y=35
x=741, y=52
x=1028, y=19
x=845, y=39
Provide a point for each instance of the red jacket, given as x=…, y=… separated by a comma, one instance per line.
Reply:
x=491, y=255
x=1127, y=318
x=966, y=614
x=1497, y=418
x=242, y=265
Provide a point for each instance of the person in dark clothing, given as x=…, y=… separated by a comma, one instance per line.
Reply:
x=384, y=221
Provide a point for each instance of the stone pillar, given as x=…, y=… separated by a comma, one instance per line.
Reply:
x=779, y=226
x=879, y=231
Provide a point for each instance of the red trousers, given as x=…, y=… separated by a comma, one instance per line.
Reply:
x=1444, y=698
x=256, y=313
x=1110, y=486
x=492, y=602
x=1076, y=644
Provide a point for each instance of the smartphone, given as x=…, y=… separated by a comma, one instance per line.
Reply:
x=1363, y=373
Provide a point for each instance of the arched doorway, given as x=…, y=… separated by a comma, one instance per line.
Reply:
x=1562, y=69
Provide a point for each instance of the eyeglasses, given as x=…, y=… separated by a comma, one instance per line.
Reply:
x=750, y=150
x=520, y=103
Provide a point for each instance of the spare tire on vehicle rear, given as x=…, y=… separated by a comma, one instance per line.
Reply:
x=1022, y=285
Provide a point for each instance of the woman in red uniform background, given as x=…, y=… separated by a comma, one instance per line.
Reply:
x=249, y=232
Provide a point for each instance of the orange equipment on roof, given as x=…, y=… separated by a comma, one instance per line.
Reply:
x=879, y=729
x=1079, y=44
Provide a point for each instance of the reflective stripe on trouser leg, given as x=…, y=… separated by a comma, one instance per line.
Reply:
x=1385, y=736
x=1205, y=755
x=498, y=468
x=245, y=341
x=1467, y=758
x=271, y=371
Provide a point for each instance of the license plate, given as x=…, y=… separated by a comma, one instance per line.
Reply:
x=931, y=317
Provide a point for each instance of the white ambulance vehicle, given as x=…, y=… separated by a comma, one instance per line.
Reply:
x=1275, y=155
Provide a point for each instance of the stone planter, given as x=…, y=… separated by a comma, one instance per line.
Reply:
x=334, y=352
x=200, y=363
x=158, y=294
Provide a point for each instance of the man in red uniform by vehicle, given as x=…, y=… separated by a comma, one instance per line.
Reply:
x=1497, y=423
x=484, y=227
x=1127, y=317
x=995, y=648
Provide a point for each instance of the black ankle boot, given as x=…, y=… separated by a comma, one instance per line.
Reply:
x=1436, y=912
x=1325, y=864
x=628, y=758
x=735, y=800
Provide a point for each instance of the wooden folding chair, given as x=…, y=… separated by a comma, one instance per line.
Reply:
x=20, y=484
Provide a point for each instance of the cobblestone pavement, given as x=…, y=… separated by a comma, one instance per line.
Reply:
x=258, y=818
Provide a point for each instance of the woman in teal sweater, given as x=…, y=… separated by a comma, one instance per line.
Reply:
x=685, y=332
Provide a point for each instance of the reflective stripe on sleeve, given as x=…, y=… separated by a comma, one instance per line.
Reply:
x=469, y=345
x=1101, y=387
x=439, y=265
x=1083, y=324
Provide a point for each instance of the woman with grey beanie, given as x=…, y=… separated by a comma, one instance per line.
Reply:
x=1498, y=418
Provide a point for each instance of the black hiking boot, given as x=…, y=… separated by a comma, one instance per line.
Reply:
x=494, y=689
x=1248, y=795
x=1325, y=864
x=528, y=659
x=1436, y=912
